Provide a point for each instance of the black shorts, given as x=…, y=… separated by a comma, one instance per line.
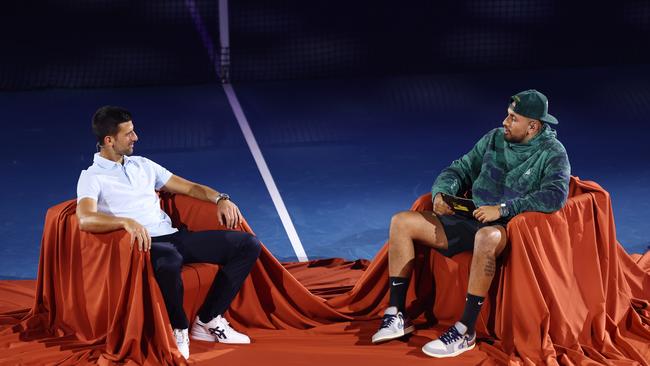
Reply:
x=460, y=231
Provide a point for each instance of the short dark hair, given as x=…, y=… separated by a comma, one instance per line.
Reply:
x=106, y=120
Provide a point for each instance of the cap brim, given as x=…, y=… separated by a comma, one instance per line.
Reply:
x=549, y=119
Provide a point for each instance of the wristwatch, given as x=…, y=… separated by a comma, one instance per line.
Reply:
x=222, y=196
x=503, y=210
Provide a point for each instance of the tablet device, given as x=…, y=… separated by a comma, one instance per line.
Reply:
x=460, y=205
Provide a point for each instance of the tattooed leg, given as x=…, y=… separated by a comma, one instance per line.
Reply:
x=488, y=245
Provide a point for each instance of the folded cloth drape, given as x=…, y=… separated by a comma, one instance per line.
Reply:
x=566, y=292
x=98, y=299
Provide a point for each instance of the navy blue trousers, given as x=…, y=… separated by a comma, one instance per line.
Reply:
x=234, y=251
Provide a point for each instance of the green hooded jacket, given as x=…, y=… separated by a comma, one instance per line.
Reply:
x=532, y=176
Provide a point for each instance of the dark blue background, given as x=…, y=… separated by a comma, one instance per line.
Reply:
x=356, y=105
x=345, y=154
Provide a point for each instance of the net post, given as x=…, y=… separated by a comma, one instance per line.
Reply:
x=224, y=42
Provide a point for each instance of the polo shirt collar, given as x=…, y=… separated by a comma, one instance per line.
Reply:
x=104, y=163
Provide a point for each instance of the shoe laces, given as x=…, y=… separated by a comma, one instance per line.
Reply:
x=222, y=329
x=387, y=320
x=451, y=335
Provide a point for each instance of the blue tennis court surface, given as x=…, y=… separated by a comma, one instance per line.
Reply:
x=345, y=154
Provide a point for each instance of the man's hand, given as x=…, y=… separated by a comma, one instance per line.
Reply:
x=228, y=214
x=139, y=233
x=487, y=213
x=440, y=207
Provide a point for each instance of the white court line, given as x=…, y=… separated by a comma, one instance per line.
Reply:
x=224, y=65
x=224, y=54
x=266, y=174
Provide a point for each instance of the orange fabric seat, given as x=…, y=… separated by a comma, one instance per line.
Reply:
x=566, y=293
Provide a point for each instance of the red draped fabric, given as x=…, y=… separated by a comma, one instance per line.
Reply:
x=566, y=293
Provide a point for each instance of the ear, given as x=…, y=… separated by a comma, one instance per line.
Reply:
x=108, y=140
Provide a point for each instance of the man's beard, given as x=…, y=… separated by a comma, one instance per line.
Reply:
x=513, y=139
x=127, y=152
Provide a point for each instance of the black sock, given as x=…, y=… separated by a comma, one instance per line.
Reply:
x=398, y=287
x=472, y=309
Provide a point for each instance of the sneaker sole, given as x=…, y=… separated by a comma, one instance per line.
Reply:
x=202, y=337
x=449, y=355
x=234, y=342
x=394, y=336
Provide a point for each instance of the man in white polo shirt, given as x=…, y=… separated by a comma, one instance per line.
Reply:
x=119, y=192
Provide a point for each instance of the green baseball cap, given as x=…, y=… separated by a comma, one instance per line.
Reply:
x=532, y=104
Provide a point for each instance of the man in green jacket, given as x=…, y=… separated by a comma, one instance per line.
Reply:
x=519, y=167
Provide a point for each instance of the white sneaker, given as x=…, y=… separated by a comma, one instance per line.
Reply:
x=217, y=330
x=182, y=342
x=393, y=325
x=453, y=342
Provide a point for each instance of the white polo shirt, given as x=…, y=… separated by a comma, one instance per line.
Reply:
x=128, y=190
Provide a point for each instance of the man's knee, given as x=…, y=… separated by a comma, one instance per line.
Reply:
x=488, y=242
x=401, y=222
x=251, y=246
x=171, y=262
